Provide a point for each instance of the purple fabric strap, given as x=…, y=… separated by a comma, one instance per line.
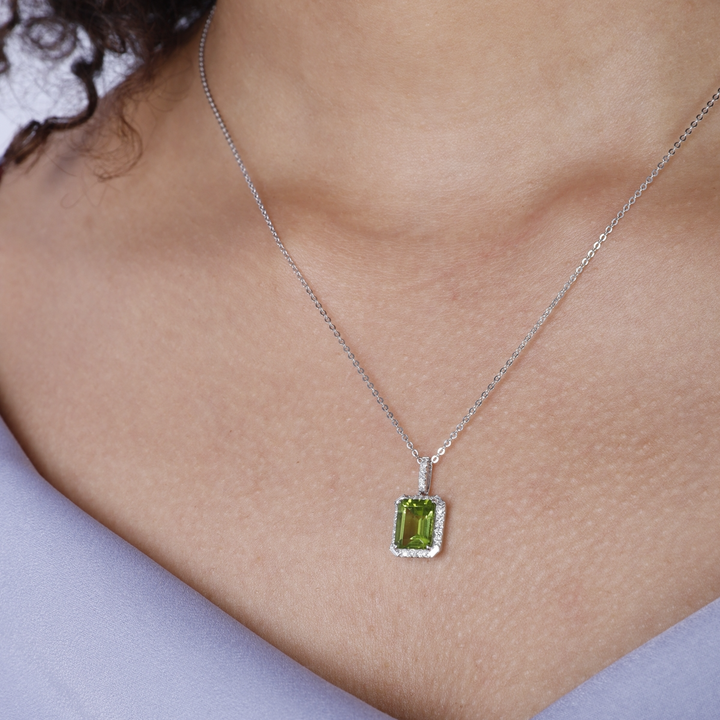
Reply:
x=92, y=628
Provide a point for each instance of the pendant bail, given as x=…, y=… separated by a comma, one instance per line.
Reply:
x=425, y=475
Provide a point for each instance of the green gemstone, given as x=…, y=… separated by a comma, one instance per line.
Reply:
x=415, y=524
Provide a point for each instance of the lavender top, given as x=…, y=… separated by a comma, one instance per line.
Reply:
x=92, y=628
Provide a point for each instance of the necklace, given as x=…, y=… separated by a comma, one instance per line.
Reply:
x=419, y=519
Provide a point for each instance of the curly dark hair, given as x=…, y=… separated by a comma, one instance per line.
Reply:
x=149, y=30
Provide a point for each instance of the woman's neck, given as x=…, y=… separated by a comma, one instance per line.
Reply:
x=408, y=119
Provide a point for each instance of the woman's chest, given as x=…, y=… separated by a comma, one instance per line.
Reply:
x=246, y=457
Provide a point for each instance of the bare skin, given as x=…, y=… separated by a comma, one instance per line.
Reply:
x=437, y=170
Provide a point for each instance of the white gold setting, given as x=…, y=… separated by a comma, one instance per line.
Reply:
x=433, y=549
x=425, y=475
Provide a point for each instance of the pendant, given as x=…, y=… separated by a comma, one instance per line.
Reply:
x=419, y=519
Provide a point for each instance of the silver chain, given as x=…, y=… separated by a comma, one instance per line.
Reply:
x=336, y=333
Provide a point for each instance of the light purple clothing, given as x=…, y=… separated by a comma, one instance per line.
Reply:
x=92, y=628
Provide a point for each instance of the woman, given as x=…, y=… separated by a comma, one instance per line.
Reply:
x=436, y=170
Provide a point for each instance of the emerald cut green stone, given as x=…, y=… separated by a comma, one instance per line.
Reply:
x=415, y=524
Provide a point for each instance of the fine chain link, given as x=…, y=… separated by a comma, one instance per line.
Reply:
x=541, y=320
